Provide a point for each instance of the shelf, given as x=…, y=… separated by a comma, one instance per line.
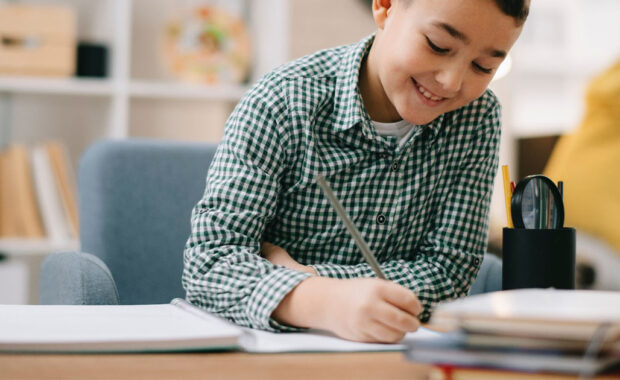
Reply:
x=56, y=86
x=168, y=90
x=105, y=87
x=31, y=247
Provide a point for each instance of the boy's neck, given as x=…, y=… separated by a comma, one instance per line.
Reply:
x=376, y=102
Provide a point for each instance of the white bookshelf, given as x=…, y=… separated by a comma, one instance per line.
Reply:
x=35, y=247
x=56, y=86
x=79, y=111
x=134, y=89
x=159, y=90
x=111, y=22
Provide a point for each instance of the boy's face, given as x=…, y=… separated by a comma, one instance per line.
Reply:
x=435, y=56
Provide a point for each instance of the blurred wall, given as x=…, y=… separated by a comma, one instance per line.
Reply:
x=320, y=24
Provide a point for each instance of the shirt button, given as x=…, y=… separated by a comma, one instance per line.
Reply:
x=395, y=166
x=381, y=219
x=476, y=261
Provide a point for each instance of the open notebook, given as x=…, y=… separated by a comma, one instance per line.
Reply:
x=177, y=326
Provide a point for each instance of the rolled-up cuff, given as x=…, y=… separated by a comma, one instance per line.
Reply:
x=342, y=271
x=268, y=294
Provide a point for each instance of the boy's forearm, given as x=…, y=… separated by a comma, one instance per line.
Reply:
x=305, y=304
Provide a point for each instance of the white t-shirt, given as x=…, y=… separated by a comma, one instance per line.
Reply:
x=401, y=129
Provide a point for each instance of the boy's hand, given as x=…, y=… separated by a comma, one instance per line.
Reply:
x=279, y=256
x=363, y=309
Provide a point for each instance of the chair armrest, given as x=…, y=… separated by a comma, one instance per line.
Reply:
x=76, y=278
x=489, y=277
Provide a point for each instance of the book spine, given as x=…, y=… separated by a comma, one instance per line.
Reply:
x=51, y=209
x=64, y=184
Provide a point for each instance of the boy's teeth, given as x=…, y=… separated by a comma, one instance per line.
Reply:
x=428, y=95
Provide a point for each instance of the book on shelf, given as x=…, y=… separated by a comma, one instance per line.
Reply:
x=19, y=213
x=53, y=214
x=527, y=330
x=37, y=196
x=64, y=182
x=177, y=326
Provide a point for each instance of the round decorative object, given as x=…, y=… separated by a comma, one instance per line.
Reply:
x=537, y=204
x=208, y=45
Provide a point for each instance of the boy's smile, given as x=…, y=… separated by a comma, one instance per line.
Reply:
x=427, y=96
x=432, y=56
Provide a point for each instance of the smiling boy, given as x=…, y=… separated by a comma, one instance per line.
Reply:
x=403, y=128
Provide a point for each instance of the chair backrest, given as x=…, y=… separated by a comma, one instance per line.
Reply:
x=135, y=200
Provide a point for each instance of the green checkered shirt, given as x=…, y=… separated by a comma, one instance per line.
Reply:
x=422, y=208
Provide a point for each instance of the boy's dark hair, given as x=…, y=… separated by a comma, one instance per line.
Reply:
x=518, y=9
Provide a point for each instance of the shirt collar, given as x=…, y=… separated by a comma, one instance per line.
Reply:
x=348, y=106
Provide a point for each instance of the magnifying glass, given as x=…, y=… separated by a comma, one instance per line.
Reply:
x=537, y=204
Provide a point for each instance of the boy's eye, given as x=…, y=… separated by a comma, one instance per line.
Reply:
x=482, y=69
x=435, y=47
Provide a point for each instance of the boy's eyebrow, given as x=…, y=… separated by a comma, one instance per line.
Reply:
x=452, y=31
x=461, y=36
x=496, y=53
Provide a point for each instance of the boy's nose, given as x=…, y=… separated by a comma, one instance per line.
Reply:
x=451, y=78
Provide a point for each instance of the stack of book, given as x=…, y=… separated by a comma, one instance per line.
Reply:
x=527, y=333
x=37, y=193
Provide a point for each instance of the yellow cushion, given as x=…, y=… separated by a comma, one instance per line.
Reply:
x=588, y=161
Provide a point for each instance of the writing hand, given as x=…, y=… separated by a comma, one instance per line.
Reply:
x=361, y=309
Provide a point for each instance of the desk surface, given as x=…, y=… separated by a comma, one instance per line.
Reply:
x=384, y=365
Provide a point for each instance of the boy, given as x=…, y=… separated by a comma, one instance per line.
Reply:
x=402, y=128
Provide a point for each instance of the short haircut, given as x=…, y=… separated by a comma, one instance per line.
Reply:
x=518, y=9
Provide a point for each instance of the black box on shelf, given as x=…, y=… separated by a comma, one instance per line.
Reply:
x=92, y=60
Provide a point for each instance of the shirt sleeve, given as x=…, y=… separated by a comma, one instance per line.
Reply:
x=449, y=256
x=223, y=271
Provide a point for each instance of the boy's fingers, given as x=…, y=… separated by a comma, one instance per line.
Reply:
x=396, y=318
x=383, y=333
x=402, y=298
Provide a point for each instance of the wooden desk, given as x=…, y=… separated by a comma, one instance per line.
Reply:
x=384, y=365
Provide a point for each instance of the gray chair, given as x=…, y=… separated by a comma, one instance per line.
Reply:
x=135, y=199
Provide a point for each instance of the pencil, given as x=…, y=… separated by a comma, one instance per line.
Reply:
x=348, y=223
x=507, y=194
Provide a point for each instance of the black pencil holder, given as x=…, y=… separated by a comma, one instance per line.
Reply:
x=538, y=258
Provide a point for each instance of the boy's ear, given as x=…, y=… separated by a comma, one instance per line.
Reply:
x=381, y=10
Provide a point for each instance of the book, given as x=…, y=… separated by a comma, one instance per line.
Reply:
x=532, y=330
x=19, y=208
x=454, y=350
x=65, y=183
x=178, y=326
x=53, y=215
x=5, y=208
x=534, y=313
x=475, y=373
x=534, y=343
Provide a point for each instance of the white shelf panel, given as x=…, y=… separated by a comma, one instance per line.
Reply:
x=57, y=86
x=154, y=89
x=31, y=247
